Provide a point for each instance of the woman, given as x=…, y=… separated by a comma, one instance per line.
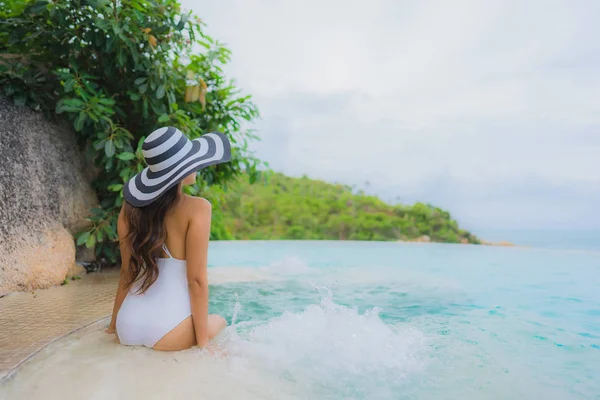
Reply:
x=162, y=299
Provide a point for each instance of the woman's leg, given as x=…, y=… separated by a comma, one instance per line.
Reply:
x=183, y=335
x=216, y=324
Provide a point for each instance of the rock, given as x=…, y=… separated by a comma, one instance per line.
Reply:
x=501, y=243
x=76, y=270
x=421, y=239
x=42, y=260
x=84, y=254
x=45, y=195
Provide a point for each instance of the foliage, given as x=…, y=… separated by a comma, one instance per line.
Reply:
x=302, y=208
x=117, y=70
x=11, y=8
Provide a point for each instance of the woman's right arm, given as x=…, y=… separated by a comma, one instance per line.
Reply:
x=196, y=257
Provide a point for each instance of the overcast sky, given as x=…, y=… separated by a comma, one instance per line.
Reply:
x=490, y=109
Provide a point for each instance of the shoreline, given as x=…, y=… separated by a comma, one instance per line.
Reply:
x=501, y=243
x=427, y=239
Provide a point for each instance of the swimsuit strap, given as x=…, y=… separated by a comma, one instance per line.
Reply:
x=164, y=246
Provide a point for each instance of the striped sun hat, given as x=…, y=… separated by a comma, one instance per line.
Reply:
x=171, y=156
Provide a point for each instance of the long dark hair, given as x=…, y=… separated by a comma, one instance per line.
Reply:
x=146, y=236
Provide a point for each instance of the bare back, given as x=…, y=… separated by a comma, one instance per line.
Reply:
x=178, y=220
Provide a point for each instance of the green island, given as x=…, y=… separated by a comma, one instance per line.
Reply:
x=282, y=207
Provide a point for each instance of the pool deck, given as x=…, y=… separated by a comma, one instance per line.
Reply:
x=30, y=321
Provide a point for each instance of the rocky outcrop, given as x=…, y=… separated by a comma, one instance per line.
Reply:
x=502, y=243
x=45, y=195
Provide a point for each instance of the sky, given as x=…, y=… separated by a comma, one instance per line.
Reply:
x=490, y=109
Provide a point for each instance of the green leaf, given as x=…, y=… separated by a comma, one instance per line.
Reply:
x=20, y=99
x=110, y=253
x=140, y=143
x=83, y=238
x=126, y=156
x=139, y=81
x=163, y=118
x=160, y=92
x=134, y=96
x=91, y=241
x=172, y=99
x=69, y=105
x=115, y=187
x=109, y=148
x=79, y=121
x=182, y=21
x=128, y=134
x=121, y=57
x=125, y=172
x=69, y=84
x=118, y=142
x=9, y=90
x=105, y=203
x=110, y=43
x=99, y=144
x=93, y=117
x=106, y=101
x=39, y=6
x=99, y=250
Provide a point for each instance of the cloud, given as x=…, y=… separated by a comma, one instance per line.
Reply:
x=487, y=108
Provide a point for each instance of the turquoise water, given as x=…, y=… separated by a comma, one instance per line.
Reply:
x=360, y=320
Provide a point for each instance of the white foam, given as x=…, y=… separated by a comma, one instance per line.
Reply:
x=329, y=345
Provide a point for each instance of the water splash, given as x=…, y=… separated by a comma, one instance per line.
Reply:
x=326, y=293
x=236, y=309
x=329, y=347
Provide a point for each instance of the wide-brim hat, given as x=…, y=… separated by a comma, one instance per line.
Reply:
x=171, y=156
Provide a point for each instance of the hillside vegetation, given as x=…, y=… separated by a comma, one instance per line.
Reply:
x=282, y=207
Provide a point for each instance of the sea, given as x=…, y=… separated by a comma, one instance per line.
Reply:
x=365, y=320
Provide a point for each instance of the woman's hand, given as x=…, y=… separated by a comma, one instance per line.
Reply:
x=210, y=348
x=214, y=350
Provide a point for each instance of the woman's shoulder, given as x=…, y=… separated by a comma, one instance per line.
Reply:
x=196, y=210
x=193, y=205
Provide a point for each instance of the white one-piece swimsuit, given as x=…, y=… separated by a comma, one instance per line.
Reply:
x=145, y=318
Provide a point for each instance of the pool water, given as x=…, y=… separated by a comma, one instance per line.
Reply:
x=364, y=320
